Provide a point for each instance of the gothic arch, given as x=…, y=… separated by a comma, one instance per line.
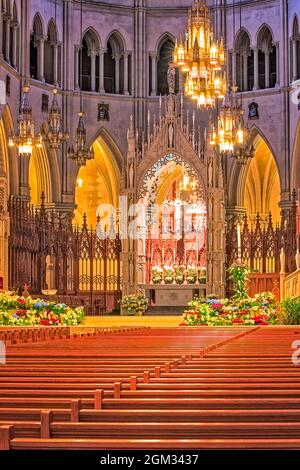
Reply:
x=38, y=26
x=99, y=181
x=165, y=48
x=239, y=177
x=114, y=69
x=240, y=35
x=295, y=173
x=192, y=161
x=262, y=33
x=118, y=41
x=92, y=38
x=40, y=177
x=162, y=38
x=295, y=32
x=9, y=154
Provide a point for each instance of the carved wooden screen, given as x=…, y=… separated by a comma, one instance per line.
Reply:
x=86, y=269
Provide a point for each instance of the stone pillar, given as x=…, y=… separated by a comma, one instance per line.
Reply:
x=245, y=70
x=117, y=73
x=294, y=55
x=101, y=71
x=277, y=84
x=93, y=70
x=76, y=78
x=41, y=58
x=14, y=46
x=4, y=231
x=24, y=177
x=126, y=91
x=55, y=63
x=256, y=78
x=267, y=68
x=1, y=31
x=233, y=68
x=154, y=73
x=7, y=38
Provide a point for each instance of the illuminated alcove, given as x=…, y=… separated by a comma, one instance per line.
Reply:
x=262, y=188
x=97, y=183
x=39, y=177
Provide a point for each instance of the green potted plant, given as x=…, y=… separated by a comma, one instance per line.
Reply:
x=135, y=304
x=238, y=273
x=202, y=275
x=168, y=275
x=191, y=275
x=179, y=274
x=157, y=275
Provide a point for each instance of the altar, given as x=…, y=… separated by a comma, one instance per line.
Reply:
x=164, y=295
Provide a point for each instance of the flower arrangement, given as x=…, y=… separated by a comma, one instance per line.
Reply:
x=169, y=275
x=260, y=310
x=202, y=275
x=191, y=275
x=157, y=274
x=135, y=304
x=24, y=311
x=179, y=274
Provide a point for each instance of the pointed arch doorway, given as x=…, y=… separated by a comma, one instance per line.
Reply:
x=175, y=237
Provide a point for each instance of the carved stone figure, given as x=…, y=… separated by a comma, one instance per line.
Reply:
x=131, y=175
x=171, y=78
x=171, y=135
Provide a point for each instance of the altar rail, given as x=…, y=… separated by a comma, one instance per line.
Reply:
x=48, y=253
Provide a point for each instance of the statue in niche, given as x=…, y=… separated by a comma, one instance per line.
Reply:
x=171, y=135
x=171, y=78
x=130, y=175
x=210, y=174
x=131, y=260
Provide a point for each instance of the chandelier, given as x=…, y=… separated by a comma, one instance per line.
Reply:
x=25, y=137
x=80, y=152
x=230, y=134
x=55, y=135
x=202, y=58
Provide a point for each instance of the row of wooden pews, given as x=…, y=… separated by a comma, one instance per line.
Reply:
x=163, y=388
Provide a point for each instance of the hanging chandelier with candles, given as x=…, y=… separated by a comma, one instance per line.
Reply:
x=25, y=138
x=55, y=134
x=80, y=152
x=230, y=134
x=202, y=58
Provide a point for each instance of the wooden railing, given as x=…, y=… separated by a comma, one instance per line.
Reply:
x=290, y=285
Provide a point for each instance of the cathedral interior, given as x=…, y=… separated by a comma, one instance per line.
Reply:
x=114, y=127
x=149, y=231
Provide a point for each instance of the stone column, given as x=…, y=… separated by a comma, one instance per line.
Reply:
x=24, y=177
x=294, y=55
x=126, y=91
x=41, y=58
x=267, y=68
x=245, y=70
x=117, y=73
x=14, y=45
x=55, y=63
x=277, y=84
x=256, y=78
x=76, y=78
x=93, y=70
x=1, y=31
x=101, y=71
x=153, y=56
x=233, y=68
x=7, y=38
